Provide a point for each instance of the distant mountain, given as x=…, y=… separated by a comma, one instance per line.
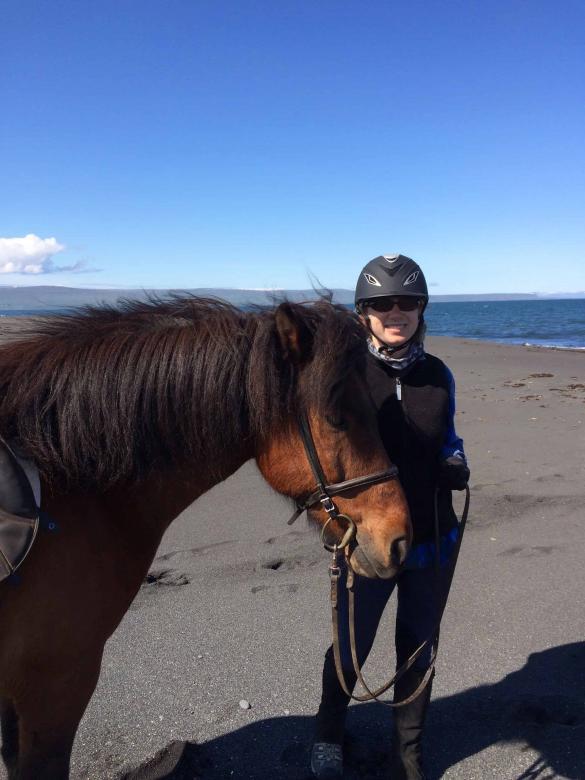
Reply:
x=51, y=298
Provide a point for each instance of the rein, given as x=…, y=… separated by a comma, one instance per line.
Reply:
x=323, y=495
x=335, y=573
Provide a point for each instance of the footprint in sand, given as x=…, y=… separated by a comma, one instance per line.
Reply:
x=193, y=552
x=290, y=587
x=157, y=581
x=529, y=552
x=288, y=564
x=482, y=485
x=288, y=538
x=165, y=577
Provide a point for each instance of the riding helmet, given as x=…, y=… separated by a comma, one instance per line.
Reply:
x=391, y=275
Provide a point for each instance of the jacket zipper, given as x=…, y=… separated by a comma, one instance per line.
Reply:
x=398, y=389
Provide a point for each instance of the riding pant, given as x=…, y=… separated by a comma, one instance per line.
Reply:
x=421, y=593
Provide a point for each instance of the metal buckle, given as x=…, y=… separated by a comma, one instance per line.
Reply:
x=328, y=504
x=334, y=568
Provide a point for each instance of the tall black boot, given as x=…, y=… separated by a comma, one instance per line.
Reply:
x=407, y=731
x=326, y=754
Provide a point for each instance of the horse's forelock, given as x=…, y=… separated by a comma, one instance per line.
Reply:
x=276, y=395
x=339, y=349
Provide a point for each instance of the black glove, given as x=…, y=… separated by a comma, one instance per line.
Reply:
x=453, y=473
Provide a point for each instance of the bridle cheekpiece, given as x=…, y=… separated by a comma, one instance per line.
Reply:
x=324, y=492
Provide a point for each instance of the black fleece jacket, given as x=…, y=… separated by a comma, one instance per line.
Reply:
x=413, y=418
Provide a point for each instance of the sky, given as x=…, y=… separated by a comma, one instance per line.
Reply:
x=263, y=144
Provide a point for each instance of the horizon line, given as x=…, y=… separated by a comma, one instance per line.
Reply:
x=113, y=288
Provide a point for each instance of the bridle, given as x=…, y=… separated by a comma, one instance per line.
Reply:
x=322, y=495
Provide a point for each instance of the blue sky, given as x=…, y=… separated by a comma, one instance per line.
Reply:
x=252, y=143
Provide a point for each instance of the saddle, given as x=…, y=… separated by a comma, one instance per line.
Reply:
x=19, y=509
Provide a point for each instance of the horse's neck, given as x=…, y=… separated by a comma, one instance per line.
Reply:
x=139, y=514
x=121, y=528
x=156, y=501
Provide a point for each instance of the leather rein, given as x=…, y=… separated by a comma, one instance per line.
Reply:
x=322, y=495
x=432, y=639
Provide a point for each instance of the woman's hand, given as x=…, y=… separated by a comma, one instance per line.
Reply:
x=453, y=473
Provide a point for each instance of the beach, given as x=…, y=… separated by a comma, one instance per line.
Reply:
x=223, y=646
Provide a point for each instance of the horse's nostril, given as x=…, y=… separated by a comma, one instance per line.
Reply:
x=399, y=550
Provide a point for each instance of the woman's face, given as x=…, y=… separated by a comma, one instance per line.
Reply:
x=396, y=325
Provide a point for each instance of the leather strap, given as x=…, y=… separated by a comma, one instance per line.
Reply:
x=341, y=487
x=324, y=491
x=335, y=573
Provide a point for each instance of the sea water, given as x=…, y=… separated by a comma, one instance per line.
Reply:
x=545, y=323
x=539, y=322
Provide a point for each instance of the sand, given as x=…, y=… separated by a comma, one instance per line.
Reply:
x=237, y=609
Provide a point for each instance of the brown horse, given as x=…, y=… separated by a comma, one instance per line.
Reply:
x=131, y=413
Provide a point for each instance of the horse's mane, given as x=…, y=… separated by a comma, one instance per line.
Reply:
x=105, y=394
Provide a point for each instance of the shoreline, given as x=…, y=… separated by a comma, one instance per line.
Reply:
x=526, y=345
x=12, y=324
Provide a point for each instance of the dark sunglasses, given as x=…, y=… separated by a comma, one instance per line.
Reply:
x=404, y=303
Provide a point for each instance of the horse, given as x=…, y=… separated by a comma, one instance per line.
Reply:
x=133, y=411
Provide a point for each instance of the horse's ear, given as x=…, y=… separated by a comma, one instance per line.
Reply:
x=294, y=335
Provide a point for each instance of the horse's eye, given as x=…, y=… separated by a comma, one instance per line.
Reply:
x=339, y=423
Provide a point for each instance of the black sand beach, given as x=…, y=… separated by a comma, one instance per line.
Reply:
x=236, y=608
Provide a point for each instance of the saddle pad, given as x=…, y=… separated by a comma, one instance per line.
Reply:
x=19, y=512
x=16, y=537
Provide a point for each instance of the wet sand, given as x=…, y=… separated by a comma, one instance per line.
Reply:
x=237, y=609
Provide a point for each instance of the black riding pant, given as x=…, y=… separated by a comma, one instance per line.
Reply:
x=421, y=594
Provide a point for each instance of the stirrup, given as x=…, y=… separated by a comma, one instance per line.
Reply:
x=327, y=760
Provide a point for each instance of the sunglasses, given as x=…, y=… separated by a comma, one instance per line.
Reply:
x=404, y=303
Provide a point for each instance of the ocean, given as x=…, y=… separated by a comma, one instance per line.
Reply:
x=543, y=323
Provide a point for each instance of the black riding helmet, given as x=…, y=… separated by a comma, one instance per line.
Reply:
x=391, y=275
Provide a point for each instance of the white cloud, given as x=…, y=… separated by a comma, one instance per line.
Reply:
x=30, y=255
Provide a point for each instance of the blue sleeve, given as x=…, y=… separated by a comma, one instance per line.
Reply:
x=452, y=445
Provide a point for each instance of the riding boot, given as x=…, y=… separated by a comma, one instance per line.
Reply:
x=326, y=754
x=407, y=731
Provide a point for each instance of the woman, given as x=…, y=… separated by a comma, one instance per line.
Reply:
x=414, y=396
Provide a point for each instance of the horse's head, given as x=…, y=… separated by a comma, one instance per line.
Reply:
x=322, y=351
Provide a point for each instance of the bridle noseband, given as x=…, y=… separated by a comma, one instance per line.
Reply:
x=322, y=495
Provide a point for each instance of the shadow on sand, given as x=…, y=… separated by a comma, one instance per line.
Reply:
x=542, y=706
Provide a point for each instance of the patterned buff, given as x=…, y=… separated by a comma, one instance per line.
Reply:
x=415, y=352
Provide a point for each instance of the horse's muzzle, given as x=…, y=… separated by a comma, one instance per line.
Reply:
x=365, y=563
